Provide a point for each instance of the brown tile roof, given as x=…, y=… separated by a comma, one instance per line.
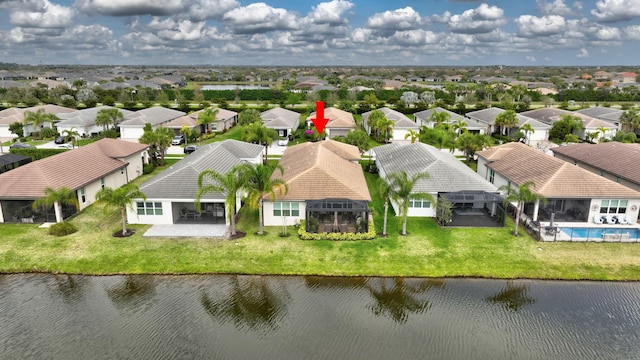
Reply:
x=73, y=169
x=337, y=118
x=553, y=177
x=11, y=115
x=191, y=119
x=314, y=172
x=621, y=160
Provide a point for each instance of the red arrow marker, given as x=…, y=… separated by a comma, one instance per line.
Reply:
x=320, y=122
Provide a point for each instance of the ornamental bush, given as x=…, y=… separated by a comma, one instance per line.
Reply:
x=62, y=229
x=369, y=235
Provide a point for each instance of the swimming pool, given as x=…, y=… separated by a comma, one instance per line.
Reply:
x=602, y=233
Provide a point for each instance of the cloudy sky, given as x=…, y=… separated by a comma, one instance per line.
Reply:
x=337, y=32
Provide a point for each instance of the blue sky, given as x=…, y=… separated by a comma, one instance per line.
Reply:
x=336, y=32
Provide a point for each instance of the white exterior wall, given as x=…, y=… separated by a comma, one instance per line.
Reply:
x=136, y=164
x=539, y=135
x=131, y=133
x=82, y=130
x=5, y=133
x=399, y=134
x=270, y=220
x=114, y=180
x=594, y=208
x=418, y=212
x=167, y=216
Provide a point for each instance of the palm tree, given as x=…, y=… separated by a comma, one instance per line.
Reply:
x=523, y=194
x=602, y=130
x=57, y=198
x=229, y=184
x=630, y=120
x=528, y=130
x=460, y=127
x=384, y=189
x=506, y=120
x=471, y=143
x=401, y=186
x=73, y=134
x=207, y=117
x=106, y=117
x=187, y=132
x=439, y=118
x=413, y=135
x=38, y=118
x=120, y=198
x=164, y=137
x=257, y=133
x=258, y=182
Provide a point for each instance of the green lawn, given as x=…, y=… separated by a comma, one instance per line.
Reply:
x=428, y=251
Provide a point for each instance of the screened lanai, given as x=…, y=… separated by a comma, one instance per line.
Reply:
x=337, y=215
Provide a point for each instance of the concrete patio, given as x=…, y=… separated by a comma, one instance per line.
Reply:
x=212, y=231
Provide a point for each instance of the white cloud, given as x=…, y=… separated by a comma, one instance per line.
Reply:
x=616, y=10
x=557, y=7
x=130, y=7
x=632, y=32
x=414, y=37
x=210, y=9
x=482, y=19
x=530, y=26
x=361, y=35
x=330, y=12
x=531, y=58
x=391, y=20
x=48, y=16
x=259, y=17
x=184, y=30
x=583, y=53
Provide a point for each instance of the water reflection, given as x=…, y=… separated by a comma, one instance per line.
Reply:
x=513, y=296
x=135, y=292
x=396, y=298
x=70, y=287
x=251, y=303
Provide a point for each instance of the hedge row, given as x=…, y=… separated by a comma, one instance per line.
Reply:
x=369, y=235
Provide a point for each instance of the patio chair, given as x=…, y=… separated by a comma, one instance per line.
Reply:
x=197, y=215
x=610, y=219
x=598, y=219
x=623, y=220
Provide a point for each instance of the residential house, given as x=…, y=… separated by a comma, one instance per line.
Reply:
x=12, y=161
x=340, y=122
x=488, y=117
x=627, y=77
x=612, y=160
x=423, y=118
x=87, y=169
x=592, y=128
x=326, y=188
x=84, y=121
x=132, y=127
x=447, y=176
x=284, y=121
x=169, y=81
x=172, y=193
x=603, y=113
x=225, y=119
x=401, y=123
x=12, y=115
x=573, y=194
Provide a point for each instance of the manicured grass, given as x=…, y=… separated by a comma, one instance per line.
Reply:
x=428, y=251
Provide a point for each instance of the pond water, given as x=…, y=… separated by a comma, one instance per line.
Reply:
x=266, y=317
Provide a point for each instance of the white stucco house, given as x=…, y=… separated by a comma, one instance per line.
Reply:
x=132, y=127
x=401, y=127
x=84, y=121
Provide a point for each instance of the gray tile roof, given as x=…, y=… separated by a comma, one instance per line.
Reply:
x=602, y=113
x=85, y=117
x=401, y=120
x=180, y=181
x=423, y=116
x=447, y=173
x=154, y=115
x=551, y=115
x=488, y=116
x=279, y=118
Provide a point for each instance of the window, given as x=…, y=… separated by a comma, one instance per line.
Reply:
x=214, y=127
x=149, y=208
x=286, y=209
x=122, y=168
x=613, y=206
x=83, y=195
x=492, y=175
x=102, y=182
x=419, y=203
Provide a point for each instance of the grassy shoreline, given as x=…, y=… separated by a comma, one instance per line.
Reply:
x=428, y=251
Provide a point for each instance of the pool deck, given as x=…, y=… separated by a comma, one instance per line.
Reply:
x=561, y=236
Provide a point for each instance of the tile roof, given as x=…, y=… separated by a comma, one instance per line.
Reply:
x=73, y=169
x=337, y=118
x=488, y=116
x=278, y=118
x=553, y=177
x=602, y=113
x=446, y=172
x=401, y=120
x=180, y=181
x=612, y=157
x=154, y=115
x=85, y=117
x=454, y=118
x=551, y=115
x=191, y=119
x=11, y=115
x=313, y=171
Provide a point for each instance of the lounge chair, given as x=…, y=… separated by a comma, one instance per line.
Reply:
x=598, y=219
x=611, y=219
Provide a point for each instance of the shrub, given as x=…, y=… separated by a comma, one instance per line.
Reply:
x=369, y=235
x=62, y=229
x=48, y=132
x=148, y=169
